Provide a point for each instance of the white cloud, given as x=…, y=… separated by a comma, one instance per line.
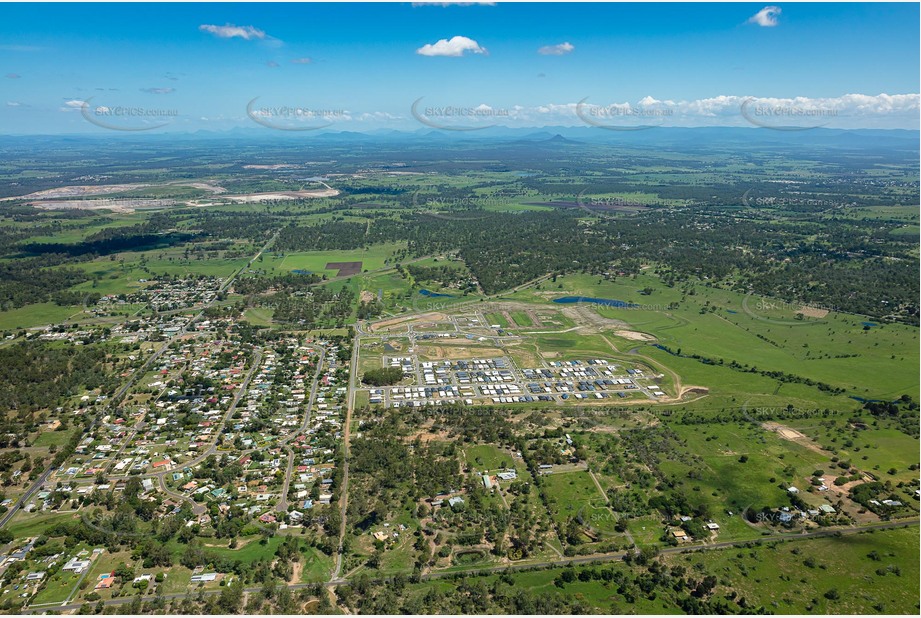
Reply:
x=158, y=90
x=272, y=64
x=848, y=111
x=766, y=17
x=73, y=105
x=13, y=75
x=456, y=46
x=302, y=60
x=230, y=31
x=556, y=50
x=377, y=117
x=13, y=104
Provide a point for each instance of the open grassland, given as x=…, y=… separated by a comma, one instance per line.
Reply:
x=372, y=258
x=38, y=314
x=799, y=577
x=837, y=349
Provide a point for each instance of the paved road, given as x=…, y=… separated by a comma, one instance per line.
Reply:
x=282, y=505
x=198, y=509
x=595, y=559
x=25, y=497
x=134, y=377
x=344, y=498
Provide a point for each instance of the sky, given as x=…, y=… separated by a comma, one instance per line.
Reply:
x=80, y=68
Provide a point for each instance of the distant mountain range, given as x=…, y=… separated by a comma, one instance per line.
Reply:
x=544, y=137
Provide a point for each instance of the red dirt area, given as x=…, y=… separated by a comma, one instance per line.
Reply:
x=346, y=269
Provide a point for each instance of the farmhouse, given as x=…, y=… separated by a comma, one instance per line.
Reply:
x=77, y=566
x=105, y=581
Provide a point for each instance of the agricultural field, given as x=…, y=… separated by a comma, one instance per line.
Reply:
x=540, y=387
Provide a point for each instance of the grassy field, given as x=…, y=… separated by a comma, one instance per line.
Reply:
x=372, y=258
x=574, y=494
x=496, y=319
x=259, y=316
x=34, y=524
x=317, y=565
x=728, y=482
x=49, y=438
x=248, y=549
x=484, y=457
x=780, y=578
x=837, y=349
x=38, y=314
x=56, y=588
x=876, y=448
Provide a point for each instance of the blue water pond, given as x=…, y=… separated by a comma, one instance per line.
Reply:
x=608, y=302
x=434, y=294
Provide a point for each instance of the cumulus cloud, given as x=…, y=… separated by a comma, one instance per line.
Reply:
x=158, y=90
x=455, y=46
x=846, y=111
x=377, y=116
x=13, y=104
x=556, y=50
x=766, y=17
x=73, y=105
x=301, y=60
x=229, y=31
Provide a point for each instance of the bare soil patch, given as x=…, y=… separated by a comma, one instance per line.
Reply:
x=788, y=433
x=447, y=352
x=813, y=312
x=409, y=319
x=346, y=269
x=250, y=198
x=634, y=335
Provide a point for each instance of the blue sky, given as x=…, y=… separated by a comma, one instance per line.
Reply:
x=183, y=67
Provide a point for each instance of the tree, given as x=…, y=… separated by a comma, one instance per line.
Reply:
x=230, y=598
x=384, y=376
